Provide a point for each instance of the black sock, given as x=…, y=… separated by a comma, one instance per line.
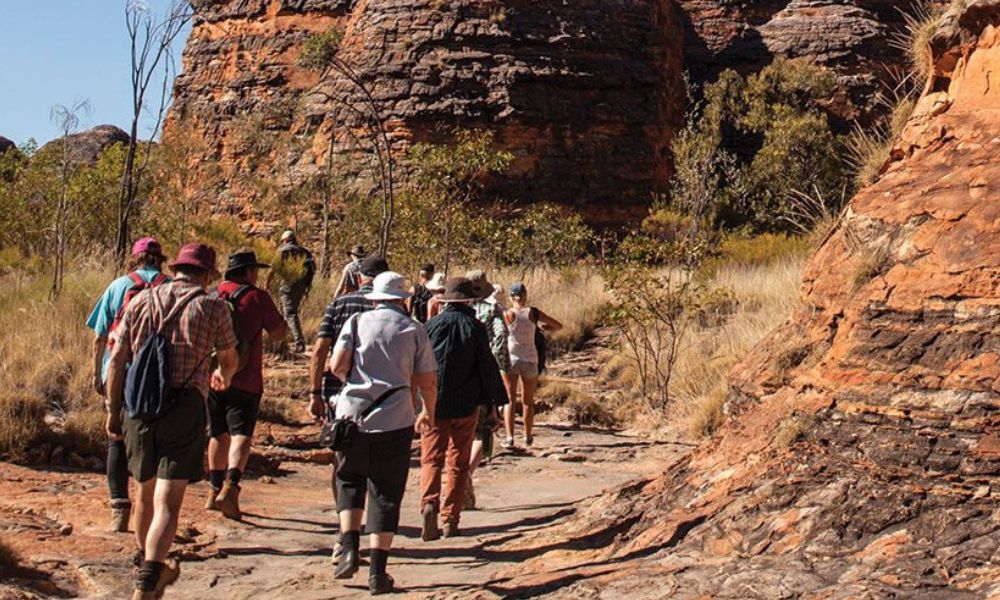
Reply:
x=351, y=540
x=379, y=559
x=217, y=477
x=149, y=576
x=117, y=470
x=234, y=476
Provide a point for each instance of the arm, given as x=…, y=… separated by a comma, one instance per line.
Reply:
x=321, y=351
x=342, y=361
x=116, y=388
x=229, y=361
x=426, y=383
x=100, y=345
x=547, y=323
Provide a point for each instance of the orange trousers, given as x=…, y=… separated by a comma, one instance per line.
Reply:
x=448, y=444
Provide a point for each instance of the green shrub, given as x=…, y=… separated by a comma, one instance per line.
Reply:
x=319, y=50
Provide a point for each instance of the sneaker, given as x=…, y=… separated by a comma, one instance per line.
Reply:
x=470, y=495
x=228, y=501
x=347, y=564
x=380, y=583
x=507, y=444
x=430, y=531
x=451, y=530
x=121, y=512
x=211, y=502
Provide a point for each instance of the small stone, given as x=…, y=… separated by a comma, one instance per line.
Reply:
x=66, y=529
x=267, y=479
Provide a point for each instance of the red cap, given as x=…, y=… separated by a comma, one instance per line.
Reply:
x=197, y=255
x=147, y=244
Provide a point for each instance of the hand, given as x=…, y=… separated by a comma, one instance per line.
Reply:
x=317, y=407
x=218, y=382
x=113, y=424
x=493, y=421
x=99, y=385
x=425, y=422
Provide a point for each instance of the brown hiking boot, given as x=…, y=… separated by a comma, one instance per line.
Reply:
x=430, y=531
x=451, y=530
x=211, y=502
x=470, y=495
x=228, y=501
x=121, y=512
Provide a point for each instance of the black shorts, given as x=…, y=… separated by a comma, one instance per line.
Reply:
x=171, y=447
x=233, y=411
x=376, y=466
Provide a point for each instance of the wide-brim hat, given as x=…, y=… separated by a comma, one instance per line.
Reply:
x=201, y=256
x=436, y=284
x=459, y=290
x=388, y=286
x=243, y=259
x=357, y=252
x=483, y=287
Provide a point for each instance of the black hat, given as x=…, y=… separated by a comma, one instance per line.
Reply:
x=358, y=252
x=242, y=259
x=373, y=266
x=459, y=289
x=428, y=268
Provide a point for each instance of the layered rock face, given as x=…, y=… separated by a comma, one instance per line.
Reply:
x=861, y=457
x=586, y=95
x=857, y=38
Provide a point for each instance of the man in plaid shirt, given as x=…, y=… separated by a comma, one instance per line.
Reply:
x=166, y=454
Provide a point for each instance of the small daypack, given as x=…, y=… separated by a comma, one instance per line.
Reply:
x=541, y=344
x=232, y=302
x=147, y=383
x=139, y=285
x=421, y=301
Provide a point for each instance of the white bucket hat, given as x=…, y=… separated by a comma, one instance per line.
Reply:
x=436, y=284
x=388, y=286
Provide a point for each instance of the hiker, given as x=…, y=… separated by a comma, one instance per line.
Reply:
x=350, y=278
x=144, y=271
x=171, y=329
x=232, y=414
x=436, y=287
x=384, y=358
x=421, y=294
x=293, y=292
x=468, y=383
x=526, y=357
x=489, y=311
x=324, y=385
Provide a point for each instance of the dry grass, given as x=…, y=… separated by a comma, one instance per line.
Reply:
x=275, y=409
x=578, y=407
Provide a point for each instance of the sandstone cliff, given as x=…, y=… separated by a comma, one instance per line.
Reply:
x=861, y=457
x=87, y=146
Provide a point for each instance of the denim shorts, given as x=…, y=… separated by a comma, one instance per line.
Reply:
x=528, y=370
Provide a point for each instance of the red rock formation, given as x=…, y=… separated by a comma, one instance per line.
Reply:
x=861, y=457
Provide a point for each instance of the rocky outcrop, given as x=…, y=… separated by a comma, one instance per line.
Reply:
x=86, y=147
x=586, y=95
x=861, y=457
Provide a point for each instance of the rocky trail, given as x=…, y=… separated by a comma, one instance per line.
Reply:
x=56, y=519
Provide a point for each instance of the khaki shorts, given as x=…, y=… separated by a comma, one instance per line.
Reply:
x=171, y=447
x=528, y=370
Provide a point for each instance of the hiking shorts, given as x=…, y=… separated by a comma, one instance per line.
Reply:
x=375, y=466
x=171, y=447
x=232, y=411
x=528, y=370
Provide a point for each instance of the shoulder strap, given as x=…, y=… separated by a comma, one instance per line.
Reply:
x=159, y=280
x=177, y=309
x=533, y=314
x=136, y=278
x=380, y=400
x=240, y=292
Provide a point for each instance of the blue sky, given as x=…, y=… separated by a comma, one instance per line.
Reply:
x=60, y=51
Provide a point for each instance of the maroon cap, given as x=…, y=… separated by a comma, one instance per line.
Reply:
x=197, y=255
x=147, y=244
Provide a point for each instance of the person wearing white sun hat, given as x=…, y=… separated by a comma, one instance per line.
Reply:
x=384, y=358
x=436, y=287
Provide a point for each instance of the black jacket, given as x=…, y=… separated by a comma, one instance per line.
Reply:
x=468, y=375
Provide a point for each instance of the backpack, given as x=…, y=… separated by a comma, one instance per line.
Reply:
x=232, y=303
x=421, y=301
x=138, y=285
x=147, y=383
x=541, y=344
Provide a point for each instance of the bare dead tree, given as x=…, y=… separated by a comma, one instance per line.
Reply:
x=151, y=42
x=67, y=119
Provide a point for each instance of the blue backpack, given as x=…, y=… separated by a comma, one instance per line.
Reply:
x=147, y=383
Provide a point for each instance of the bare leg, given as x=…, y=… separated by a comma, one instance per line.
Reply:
x=167, y=500
x=218, y=449
x=350, y=520
x=381, y=541
x=144, y=512
x=239, y=452
x=530, y=386
x=477, y=457
x=508, y=411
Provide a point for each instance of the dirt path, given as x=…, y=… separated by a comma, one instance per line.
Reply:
x=282, y=548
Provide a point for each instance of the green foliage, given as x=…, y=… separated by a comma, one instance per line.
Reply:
x=870, y=149
x=541, y=235
x=753, y=142
x=320, y=50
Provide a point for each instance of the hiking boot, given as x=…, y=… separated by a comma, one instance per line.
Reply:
x=528, y=441
x=451, y=530
x=228, y=501
x=430, y=530
x=470, y=495
x=507, y=444
x=338, y=549
x=121, y=511
x=380, y=583
x=348, y=564
x=211, y=502
x=300, y=347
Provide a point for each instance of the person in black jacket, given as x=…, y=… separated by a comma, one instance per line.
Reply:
x=468, y=381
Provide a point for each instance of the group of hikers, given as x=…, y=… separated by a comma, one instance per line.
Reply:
x=179, y=364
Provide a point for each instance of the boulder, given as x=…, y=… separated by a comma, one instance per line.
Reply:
x=86, y=147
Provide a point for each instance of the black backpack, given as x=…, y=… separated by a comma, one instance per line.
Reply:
x=421, y=301
x=232, y=303
x=147, y=382
x=541, y=344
